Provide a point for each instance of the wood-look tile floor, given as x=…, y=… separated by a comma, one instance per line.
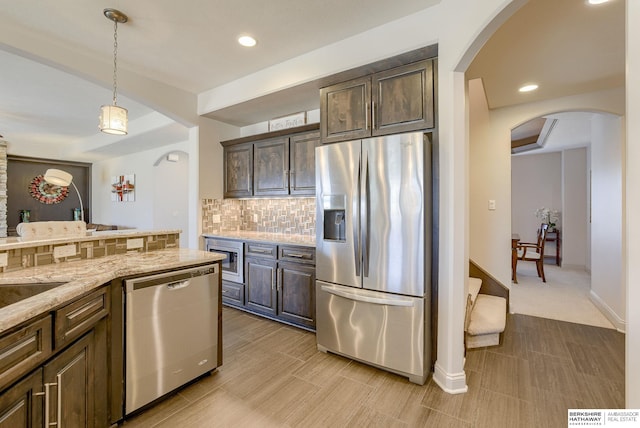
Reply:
x=273, y=376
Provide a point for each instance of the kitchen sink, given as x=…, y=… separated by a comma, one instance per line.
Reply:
x=12, y=293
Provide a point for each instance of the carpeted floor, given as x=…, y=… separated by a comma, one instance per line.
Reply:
x=565, y=295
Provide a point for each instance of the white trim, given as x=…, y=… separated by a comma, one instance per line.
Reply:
x=452, y=383
x=606, y=310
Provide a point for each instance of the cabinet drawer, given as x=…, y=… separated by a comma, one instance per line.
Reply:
x=24, y=349
x=297, y=254
x=80, y=316
x=232, y=293
x=261, y=250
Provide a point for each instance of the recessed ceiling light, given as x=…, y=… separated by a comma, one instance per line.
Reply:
x=247, y=41
x=597, y=1
x=528, y=88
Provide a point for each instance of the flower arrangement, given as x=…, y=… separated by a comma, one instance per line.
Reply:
x=548, y=216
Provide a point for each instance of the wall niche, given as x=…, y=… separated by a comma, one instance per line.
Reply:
x=21, y=175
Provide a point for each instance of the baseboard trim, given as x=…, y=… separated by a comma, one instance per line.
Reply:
x=451, y=383
x=609, y=313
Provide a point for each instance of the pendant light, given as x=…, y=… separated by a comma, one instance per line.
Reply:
x=113, y=118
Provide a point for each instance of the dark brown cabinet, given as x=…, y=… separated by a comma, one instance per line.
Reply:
x=271, y=164
x=302, y=163
x=389, y=102
x=296, y=293
x=22, y=404
x=271, y=167
x=279, y=283
x=238, y=171
x=71, y=387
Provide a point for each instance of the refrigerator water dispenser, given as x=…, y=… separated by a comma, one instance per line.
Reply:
x=334, y=217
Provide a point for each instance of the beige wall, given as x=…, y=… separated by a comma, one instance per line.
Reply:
x=536, y=182
x=575, y=209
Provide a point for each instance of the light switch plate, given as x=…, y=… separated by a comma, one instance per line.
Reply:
x=216, y=218
x=492, y=204
x=64, y=251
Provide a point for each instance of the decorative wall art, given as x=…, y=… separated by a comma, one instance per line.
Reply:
x=286, y=122
x=123, y=188
x=46, y=193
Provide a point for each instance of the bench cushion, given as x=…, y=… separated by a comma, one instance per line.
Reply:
x=489, y=315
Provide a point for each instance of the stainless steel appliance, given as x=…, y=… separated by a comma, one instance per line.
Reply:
x=171, y=331
x=233, y=264
x=373, y=253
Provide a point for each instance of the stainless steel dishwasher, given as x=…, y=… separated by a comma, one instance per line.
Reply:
x=171, y=331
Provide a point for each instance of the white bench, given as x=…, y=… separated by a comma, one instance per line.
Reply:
x=486, y=317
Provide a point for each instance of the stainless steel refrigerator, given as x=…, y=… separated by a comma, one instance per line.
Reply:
x=373, y=242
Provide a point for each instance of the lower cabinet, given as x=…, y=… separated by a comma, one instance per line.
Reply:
x=21, y=405
x=279, y=284
x=296, y=293
x=70, y=389
x=261, y=285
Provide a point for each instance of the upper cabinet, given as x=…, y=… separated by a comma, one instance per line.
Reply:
x=238, y=171
x=388, y=102
x=273, y=164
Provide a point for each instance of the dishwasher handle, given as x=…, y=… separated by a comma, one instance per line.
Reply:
x=178, y=285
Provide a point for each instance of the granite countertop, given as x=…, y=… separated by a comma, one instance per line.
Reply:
x=279, y=238
x=14, y=242
x=82, y=276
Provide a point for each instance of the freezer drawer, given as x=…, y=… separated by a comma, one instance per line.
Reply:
x=381, y=329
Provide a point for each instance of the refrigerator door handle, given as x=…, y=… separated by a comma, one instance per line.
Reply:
x=367, y=299
x=365, y=212
x=355, y=218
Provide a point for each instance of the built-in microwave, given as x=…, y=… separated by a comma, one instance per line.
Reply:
x=233, y=263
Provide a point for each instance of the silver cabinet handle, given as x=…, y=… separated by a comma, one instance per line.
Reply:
x=373, y=116
x=297, y=256
x=258, y=250
x=47, y=415
x=59, y=387
x=366, y=117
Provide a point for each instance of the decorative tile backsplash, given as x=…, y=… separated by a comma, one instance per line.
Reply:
x=38, y=255
x=295, y=216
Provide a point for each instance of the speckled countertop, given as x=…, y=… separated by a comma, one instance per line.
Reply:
x=279, y=238
x=13, y=242
x=84, y=275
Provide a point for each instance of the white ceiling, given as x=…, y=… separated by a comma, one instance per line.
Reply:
x=563, y=45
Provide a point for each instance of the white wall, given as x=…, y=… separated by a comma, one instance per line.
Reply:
x=139, y=213
x=575, y=225
x=632, y=170
x=536, y=182
x=171, y=181
x=607, y=181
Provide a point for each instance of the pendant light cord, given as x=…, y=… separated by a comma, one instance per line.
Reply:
x=115, y=62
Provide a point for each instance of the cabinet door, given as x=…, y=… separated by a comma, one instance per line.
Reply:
x=402, y=99
x=302, y=173
x=19, y=405
x=238, y=171
x=73, y=392
x=344, y=110
x=261, y=285
x=271, y=167
x=296, y=293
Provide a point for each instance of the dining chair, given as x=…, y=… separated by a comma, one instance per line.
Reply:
x=534, y=252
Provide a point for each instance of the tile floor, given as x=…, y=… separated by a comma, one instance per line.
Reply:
x=273, y=376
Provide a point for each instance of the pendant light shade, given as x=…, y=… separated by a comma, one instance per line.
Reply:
x=113, y=119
